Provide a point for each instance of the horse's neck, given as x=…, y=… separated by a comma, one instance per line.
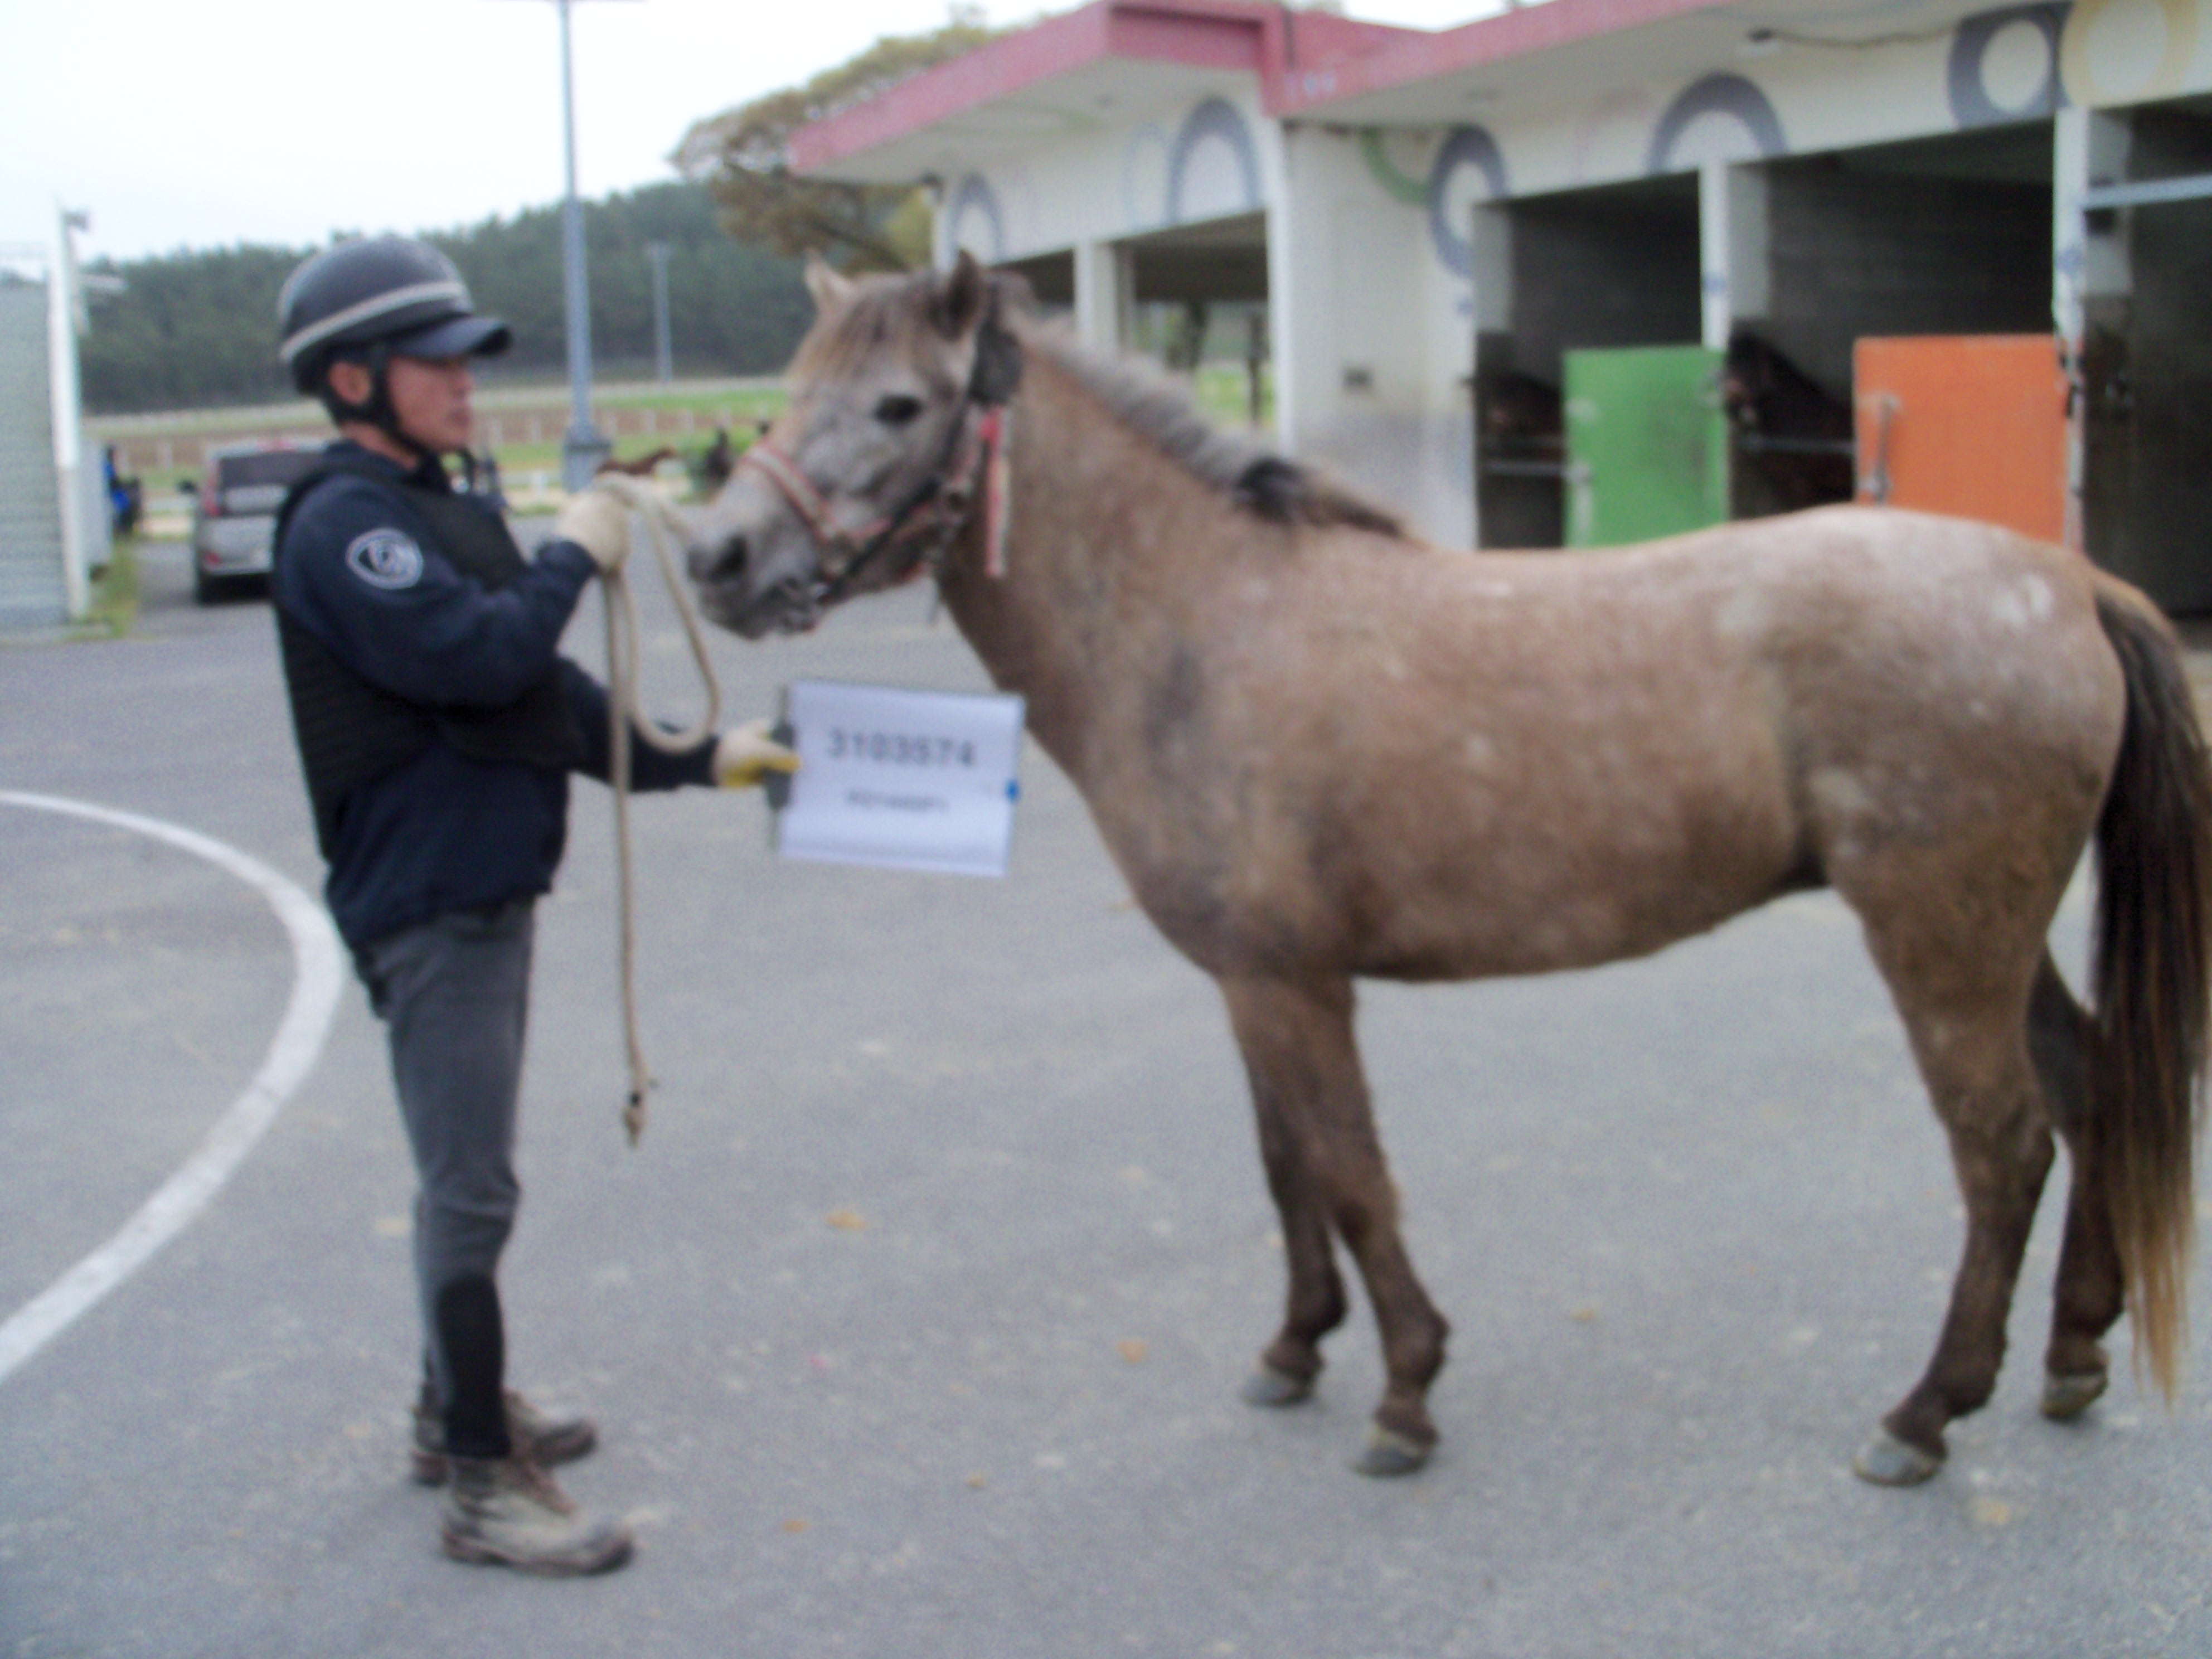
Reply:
x=1088, y=596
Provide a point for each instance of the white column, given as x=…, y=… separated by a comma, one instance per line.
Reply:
x=1101, y=294
x=2091, y=148
x=1733, y=255
x=1300, y=337
x=1489, y=310
x=67, y=416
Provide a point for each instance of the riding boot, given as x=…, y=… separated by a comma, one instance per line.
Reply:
x=506, y=1512
x=544, y=1438
x=474, y=1341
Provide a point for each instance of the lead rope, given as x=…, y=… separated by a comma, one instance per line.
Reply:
x=623, y=717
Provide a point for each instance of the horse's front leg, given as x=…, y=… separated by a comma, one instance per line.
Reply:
x=1325, y=1171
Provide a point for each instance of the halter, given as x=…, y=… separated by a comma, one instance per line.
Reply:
x=932, y=514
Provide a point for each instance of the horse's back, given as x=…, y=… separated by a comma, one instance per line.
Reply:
x=1452, y=764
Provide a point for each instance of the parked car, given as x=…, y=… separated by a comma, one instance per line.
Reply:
x=234, y=513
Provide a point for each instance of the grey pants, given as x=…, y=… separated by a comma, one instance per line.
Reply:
x=453, y=994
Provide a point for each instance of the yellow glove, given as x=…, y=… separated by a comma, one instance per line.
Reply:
x=599, y=524
x=745, y=753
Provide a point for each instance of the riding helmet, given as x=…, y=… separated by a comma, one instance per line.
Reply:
x=392, y=292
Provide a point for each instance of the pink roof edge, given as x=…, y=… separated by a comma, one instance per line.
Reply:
x=1305, y=60
x=1251, y=35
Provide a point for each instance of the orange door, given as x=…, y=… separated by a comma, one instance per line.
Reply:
x=1972, y=425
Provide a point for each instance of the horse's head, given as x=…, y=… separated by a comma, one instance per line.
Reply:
x=869, y=471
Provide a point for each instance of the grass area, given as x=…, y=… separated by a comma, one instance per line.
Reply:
x=530, y=470
x=1224, y=391
x=750, y=401
x=114, y=606
x=508, y=409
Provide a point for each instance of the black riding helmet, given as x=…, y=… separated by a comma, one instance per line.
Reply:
x=369, y=301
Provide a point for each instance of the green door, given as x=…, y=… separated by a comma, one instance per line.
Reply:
x=1647, y=444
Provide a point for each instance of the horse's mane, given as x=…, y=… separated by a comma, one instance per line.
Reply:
x=894, y=312
x=1159, y=408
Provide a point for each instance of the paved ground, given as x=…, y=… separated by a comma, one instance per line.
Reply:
x=1690, y=1216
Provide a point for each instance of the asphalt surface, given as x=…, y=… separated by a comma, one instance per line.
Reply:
x=916, y=1324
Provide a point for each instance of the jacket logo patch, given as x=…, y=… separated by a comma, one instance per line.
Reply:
x=385, y=558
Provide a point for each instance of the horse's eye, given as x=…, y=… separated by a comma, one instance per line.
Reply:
x=897, y=409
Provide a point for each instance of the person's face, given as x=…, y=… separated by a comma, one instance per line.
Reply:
x=430, y=399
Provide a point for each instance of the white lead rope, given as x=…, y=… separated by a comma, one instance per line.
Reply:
x=666, y=530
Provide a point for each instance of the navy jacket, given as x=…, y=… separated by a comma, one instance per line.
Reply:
x=442, y=831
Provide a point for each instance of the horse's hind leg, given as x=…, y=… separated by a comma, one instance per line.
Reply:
x=1325, y=1171
x=2090, y=1291
x=1969, y=1032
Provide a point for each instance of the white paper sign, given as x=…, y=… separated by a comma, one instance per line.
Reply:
x=905, y=780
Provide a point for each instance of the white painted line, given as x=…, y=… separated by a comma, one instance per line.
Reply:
x=318, y=964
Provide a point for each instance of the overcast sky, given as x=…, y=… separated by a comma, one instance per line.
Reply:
x=206, y=123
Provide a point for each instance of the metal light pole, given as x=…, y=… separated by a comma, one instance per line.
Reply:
x=583, y=448
x=664, y=364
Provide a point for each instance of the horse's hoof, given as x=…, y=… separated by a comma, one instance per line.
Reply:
x=1388, y=1453
x=1269, y=1387
x=1889, y=1461
x=2065, y=1398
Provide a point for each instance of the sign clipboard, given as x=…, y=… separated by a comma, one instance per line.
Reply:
x=895, y=779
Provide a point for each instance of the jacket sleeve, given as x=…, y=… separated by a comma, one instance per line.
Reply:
x=359, y=572
x=649, y=768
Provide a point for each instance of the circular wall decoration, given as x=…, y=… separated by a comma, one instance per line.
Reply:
x=1994, y=75
x=1193, y=187
x=1710, y=100
x=2124, y=52
x=1463, y=148
x=977, y=224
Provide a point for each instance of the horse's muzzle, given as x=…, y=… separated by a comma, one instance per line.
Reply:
x=723, y=578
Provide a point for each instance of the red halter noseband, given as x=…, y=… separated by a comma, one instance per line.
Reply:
x=933, y=513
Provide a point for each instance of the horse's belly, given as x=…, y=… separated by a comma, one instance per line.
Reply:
x=1541, y=910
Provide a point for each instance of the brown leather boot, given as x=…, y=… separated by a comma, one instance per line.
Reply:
x=544, y=1439
x=509, y=1512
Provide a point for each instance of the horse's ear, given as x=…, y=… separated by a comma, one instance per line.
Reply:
x=960, y=296
x=830, y=290
x=997, y=371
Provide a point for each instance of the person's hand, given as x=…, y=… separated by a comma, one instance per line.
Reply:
x=599, y=524
x=744, y=754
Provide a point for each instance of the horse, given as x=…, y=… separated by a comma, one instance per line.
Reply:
x=1795, y=439
x=1521, y=417
x=643, y=467
x=1320, y=748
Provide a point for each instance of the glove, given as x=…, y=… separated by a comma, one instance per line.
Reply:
x=599, y=524
x=745, y=753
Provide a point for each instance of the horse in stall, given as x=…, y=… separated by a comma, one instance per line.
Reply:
x=1796, y=439
x=1320, y=748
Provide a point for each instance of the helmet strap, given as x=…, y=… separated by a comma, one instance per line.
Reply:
x=376, y=409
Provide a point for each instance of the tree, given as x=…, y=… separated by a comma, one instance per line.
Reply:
x=188, y=329
x=732, y=308
x=195, y=329
x=743, y=156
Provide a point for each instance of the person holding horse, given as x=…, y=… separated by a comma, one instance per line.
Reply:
x=437, y=726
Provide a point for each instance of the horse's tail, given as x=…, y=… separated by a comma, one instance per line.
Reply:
x=2152, y=943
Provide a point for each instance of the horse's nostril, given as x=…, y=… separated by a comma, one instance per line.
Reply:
x=713, y=564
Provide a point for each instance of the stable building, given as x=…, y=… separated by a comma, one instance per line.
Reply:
x=1594, y=269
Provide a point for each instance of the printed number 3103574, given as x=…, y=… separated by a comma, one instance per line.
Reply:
x=899, y=748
